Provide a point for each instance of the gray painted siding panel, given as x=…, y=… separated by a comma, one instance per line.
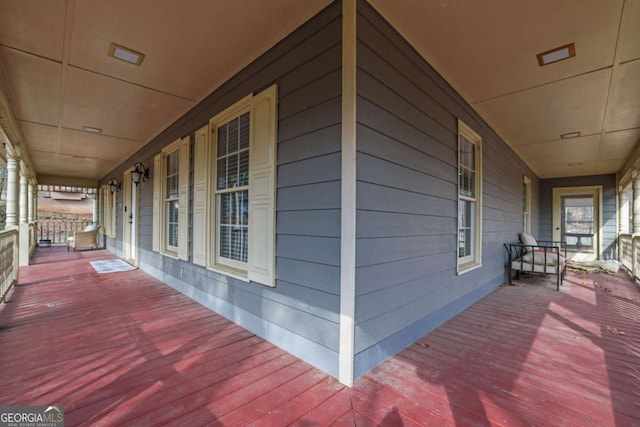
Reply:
x=314, y=144
x=380, y=276
x=325, y=195
x=377, y=171
x=310, y=171
x=301, y=313
x=372, y=197
x=609, y=206
x=381, y=146
x=407, y=196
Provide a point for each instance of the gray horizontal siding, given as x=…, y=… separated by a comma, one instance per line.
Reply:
x=406, y=280
x=301, y=313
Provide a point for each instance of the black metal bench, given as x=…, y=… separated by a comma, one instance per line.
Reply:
x=545, y=257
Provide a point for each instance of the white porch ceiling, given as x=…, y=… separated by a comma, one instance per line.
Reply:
x=487, y=50
x=53, y=55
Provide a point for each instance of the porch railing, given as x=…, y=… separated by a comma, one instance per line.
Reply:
x=58, y=230
x=629, y=253
x=9, y=258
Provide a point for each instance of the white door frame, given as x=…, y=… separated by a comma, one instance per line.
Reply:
x=594, y=191
x=130, y=220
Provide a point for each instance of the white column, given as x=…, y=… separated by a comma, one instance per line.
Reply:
x=636, y=204
x=24, y=204
x=12, y=193
x=346, y=362
x=23, y=227
x=30, y=204
x=95, y=209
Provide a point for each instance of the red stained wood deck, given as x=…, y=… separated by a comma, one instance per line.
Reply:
x=124, y=349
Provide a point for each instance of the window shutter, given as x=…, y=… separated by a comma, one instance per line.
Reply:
x=157, y=184
x=262, y=187
x=183, y=200
x=200, y=192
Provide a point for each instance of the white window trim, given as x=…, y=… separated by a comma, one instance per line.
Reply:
x=527, y=205
x=260, y=266
x=469, y=263
x=163, y=247
x=229, y=267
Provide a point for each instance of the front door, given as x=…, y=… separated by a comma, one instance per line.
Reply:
x=577, y=221
x=130, y=221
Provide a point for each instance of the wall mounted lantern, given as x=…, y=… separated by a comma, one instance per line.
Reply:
x=114, y=185
x=139, y=173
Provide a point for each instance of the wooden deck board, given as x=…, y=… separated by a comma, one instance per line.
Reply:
x=124, y=349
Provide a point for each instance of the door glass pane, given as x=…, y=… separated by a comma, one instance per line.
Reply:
x=578, y=223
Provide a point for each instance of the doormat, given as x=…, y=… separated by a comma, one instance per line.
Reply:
x=111, y=266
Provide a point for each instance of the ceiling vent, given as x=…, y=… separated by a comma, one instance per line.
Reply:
x=125, y=54
x=558, y=54
x=570, y=135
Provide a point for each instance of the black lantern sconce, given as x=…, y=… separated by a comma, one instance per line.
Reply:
x=114, y=185
x=139, y=173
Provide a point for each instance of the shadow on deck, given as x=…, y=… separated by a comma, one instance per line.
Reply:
x=124, y=349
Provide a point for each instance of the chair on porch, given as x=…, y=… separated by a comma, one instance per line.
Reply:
x=531, y=256
x=84, y=239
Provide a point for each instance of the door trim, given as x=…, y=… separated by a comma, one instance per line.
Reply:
x=596, y=192
x=129, y=254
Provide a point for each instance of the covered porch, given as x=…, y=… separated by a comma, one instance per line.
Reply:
x=125, y=349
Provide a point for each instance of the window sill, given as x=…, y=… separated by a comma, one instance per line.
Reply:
x=230, y=272
x=470, y=266
x=173, y=255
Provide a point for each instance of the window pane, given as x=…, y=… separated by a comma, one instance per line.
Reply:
x=172, y=175
x=172, y=223
x=467, y=153
x=466, y=220
x=467, y=182
x=243, y=168
x=243, y=131
x=222, y=140
x=221, y=173
x=233, y=153
x=232, y=136
x=234, y=225
x=467, y=165
x=232, y=170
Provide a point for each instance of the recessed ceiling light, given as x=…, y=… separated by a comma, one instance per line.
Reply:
x=91, y=129
x=125, y=54
x=570, y=135
x=557, y=54
x=574, y=164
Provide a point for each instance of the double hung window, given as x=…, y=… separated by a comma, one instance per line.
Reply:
x=469, y=198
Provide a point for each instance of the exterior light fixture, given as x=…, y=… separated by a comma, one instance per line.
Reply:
x=139, y=173
x=114, y=185
x=125, y=54
x=557, y=54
